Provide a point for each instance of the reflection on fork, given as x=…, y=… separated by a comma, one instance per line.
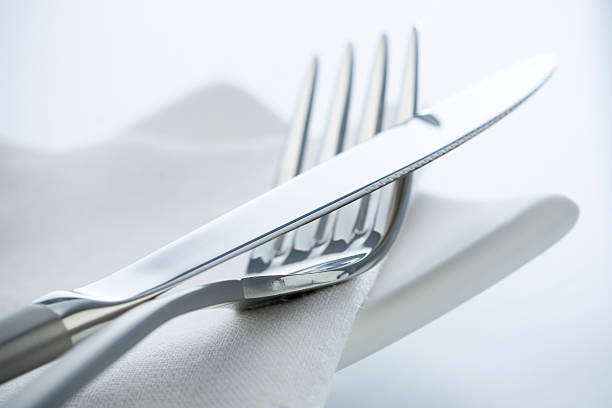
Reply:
x=362, y=231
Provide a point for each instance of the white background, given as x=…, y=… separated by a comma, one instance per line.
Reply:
x=75, y=73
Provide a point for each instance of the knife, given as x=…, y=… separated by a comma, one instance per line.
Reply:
x=53, y=323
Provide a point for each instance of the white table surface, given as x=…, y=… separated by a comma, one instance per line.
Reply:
x=72, y=74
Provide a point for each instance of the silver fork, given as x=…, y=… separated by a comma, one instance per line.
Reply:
x=336, y=247
x=360, y=227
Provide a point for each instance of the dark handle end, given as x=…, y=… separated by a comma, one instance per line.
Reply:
x=30, y=338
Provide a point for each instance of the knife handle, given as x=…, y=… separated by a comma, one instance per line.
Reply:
x=30, y=338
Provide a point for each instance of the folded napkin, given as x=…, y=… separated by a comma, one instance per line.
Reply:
x=73, y=217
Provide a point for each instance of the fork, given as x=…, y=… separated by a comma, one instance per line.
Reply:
x=328, y=250
x=370, y=222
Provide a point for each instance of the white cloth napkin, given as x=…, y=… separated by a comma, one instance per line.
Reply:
x=73, y=217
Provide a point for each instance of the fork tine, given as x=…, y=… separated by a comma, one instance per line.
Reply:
x=335, y=134
x=408, y=102
x=353, y=217
x=336, y=122
x=292, y=161
x=292, y=158
x=309, y=235
x=394, y=197
x=375, y=101
x=372, y=121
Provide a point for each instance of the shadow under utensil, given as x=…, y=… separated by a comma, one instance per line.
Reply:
x=481, y=244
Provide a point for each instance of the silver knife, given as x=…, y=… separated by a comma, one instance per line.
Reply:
x=52, y=324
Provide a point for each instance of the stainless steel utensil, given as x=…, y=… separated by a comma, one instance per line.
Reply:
x=51, y=323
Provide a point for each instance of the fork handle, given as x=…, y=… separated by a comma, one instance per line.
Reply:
x=91, y=356
x=30, y=338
